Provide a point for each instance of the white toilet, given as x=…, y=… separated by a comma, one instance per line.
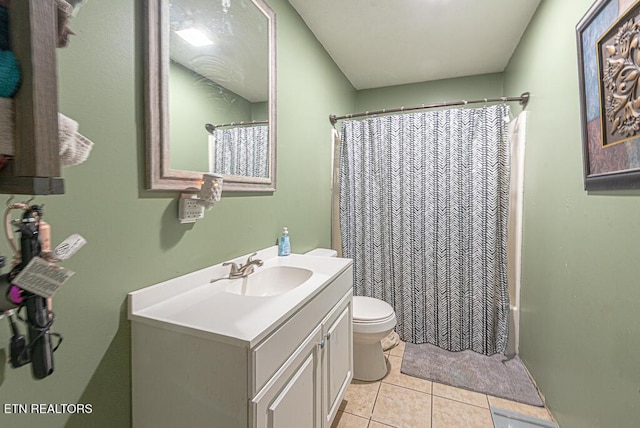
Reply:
x=373, y=320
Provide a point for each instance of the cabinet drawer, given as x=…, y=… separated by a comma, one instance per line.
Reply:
x=268, y=356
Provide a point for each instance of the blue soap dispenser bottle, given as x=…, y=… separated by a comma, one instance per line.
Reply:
x=284, y=246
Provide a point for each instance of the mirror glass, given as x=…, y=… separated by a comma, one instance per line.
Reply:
x=216, y=94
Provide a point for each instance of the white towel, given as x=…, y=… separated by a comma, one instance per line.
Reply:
x=64, y=11
x=74, y=147
x=336, y=236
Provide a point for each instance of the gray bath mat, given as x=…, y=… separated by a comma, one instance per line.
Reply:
x=496, y=375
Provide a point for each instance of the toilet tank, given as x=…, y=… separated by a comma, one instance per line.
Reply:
x=322, y=252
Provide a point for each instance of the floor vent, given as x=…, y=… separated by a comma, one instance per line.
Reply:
x=506, y=419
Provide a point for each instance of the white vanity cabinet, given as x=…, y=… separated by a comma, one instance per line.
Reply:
x=294, y=374
x=337, y=362
x=308, y=389
x=292, y=398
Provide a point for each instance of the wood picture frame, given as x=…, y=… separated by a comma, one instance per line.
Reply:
x=608, y=58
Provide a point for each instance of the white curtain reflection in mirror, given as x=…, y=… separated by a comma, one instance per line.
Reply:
x=242, y=151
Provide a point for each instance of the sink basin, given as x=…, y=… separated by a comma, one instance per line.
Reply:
x=270, y=281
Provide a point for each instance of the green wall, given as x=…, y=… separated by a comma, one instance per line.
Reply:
x=580, y=294
x=194, y=101
x=260, y=111
x=134, y=237
x=415, y=94
x=580, y=326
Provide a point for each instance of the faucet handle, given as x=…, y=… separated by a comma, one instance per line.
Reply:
x=249, y=259
x=234, y=267
x=256, y=262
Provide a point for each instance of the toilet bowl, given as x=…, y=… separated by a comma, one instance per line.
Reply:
x=373, y=320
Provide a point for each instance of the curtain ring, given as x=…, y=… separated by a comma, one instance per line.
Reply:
x=465, y=102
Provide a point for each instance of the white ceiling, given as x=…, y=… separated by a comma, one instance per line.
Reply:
x=380, y=43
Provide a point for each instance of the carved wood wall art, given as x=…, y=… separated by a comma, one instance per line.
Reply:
x=609, y=69
x=619, y=71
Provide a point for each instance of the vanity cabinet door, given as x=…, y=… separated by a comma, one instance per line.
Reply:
x=292, y=398
x=337, y=357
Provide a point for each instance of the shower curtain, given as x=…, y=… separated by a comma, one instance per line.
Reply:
x=243, y=150
x=423, y=213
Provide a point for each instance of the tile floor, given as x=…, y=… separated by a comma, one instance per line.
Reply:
x=403, y=401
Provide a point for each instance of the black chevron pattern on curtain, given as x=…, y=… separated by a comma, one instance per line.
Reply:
x=424, y=201
x=243, y=150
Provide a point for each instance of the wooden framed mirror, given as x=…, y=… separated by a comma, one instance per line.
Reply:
x=201, y=94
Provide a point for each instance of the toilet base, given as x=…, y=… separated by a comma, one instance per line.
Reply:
x=369, y=362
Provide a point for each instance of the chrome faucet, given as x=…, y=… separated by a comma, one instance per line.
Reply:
x=244, y=269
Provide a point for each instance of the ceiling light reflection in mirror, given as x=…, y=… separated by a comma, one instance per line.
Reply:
x=195, y=37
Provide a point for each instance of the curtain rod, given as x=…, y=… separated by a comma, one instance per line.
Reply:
x=522, y=99
x=209, y=127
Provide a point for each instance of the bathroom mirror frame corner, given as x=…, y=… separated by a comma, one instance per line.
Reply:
x=159, y=173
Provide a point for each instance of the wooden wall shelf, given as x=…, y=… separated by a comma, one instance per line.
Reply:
x=35, y=167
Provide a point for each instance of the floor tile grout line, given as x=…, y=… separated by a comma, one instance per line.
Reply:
x=406, y=387
x=402, y=387
x=380, y=423
x=369, y=418
x=431, y=420
x=375, y=400
x=461, y=402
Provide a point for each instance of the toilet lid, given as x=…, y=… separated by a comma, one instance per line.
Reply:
x=367, y=309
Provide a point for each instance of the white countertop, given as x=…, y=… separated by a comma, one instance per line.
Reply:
x=192, y=305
